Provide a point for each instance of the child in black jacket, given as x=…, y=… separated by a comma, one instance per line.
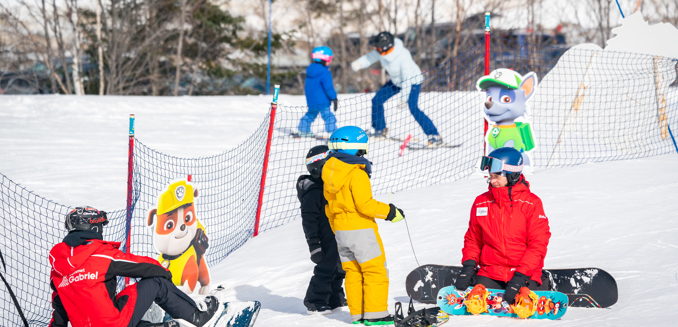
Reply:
x=325, y=292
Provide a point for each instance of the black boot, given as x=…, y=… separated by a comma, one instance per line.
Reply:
x=200, y=318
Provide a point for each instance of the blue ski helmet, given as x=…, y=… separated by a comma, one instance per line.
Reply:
x=350, y=140
x=322, y=53
x=507, y=161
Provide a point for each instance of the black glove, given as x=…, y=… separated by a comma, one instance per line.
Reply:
x=518, y=281
x=335, y=101
x=395, y=214
x=467, y=275
x=316, y=250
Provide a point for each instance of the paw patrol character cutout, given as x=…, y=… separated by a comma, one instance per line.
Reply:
x=180, y=237
x=507, y=93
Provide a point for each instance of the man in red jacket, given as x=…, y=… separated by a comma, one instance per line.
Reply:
x=507, y=237
x=83, y=281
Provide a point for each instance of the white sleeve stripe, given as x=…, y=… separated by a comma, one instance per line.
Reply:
x=114, y=259
x=524, y=202
x=53, y=262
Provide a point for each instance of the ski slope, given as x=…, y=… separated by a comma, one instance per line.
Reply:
x=620, y=216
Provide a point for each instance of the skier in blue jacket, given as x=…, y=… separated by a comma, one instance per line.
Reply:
x=320, y=92
x=406, y=79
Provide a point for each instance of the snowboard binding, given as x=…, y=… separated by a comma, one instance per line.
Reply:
x=525, y=304
x=476, y=300
x=428, y=317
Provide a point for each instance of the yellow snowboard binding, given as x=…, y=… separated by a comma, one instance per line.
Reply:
x=476, y=300
x=526, y=303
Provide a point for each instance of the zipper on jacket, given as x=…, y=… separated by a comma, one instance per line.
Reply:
x=503, y=239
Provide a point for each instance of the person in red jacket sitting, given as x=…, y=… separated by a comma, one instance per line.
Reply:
x=508, y=233
x=83, y=281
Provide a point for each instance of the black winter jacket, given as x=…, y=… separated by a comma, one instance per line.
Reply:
x=313, y=217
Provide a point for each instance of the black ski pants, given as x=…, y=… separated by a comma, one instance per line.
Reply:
x=328, y=276
x=161, y=291
x=500, y=285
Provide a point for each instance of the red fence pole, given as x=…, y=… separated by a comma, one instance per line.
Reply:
x=487, y=67
x=274, y=106
x=130, y=175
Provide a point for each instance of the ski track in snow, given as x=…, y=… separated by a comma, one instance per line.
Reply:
x=619, y=216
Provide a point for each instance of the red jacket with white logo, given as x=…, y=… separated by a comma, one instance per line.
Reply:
x=508, y=232
x=83, y=281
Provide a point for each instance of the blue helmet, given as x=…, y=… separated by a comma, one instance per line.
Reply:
x=507, y=161
x=350, y=140
x=322, y=53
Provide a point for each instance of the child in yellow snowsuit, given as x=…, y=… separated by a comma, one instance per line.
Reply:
x=351, y=211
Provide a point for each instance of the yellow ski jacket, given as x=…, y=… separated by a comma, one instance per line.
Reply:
x=348, y=192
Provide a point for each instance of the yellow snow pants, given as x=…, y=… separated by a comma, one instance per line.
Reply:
x=363, y=258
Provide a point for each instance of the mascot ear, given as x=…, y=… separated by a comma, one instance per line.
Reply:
x=195, y=193
x=151, y=215
x=529, y=84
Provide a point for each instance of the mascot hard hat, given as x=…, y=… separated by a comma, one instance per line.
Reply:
x=177, y=194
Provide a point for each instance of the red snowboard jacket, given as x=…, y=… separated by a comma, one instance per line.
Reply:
x=508, y=232
x=83, y=282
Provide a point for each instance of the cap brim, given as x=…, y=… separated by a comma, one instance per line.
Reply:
x=485, y=83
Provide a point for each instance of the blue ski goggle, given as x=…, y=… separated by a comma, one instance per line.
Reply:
x=496, y=166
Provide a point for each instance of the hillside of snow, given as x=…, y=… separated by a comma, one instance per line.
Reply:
x=619, y=216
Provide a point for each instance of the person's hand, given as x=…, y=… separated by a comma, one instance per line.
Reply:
x=355, y=66
x=467, y=274
x=316, y=250
x=402, y=104
x=336, y=104
x=518, y=281
x=395, y=214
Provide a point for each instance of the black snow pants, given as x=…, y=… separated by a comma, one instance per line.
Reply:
x=532, y=285
x=161, y=291
x=328, y=276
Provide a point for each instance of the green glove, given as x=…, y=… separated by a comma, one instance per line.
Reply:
x=395, y=214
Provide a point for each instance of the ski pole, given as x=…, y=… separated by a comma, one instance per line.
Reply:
x=402, y=147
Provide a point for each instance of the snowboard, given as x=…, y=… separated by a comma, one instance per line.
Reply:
x=233, y=314
x=584, y=287
x=550, y=304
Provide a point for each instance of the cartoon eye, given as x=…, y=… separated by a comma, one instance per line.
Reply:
x=506, y=99
x=489, y=98
x=189, y=217
x=169, y=225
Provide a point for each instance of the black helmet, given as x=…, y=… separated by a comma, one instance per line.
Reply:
x=86, y=218
x=315, y=159
x=382, y=41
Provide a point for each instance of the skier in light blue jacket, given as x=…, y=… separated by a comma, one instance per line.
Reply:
x=406, y=78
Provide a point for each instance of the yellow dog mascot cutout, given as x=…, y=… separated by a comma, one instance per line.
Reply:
x=180, y=237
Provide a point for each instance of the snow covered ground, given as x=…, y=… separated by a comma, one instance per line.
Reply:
x=619, y=216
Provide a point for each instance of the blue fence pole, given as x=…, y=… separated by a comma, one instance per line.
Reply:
x=672, y=138
x=618, y=6
x=268, y=67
